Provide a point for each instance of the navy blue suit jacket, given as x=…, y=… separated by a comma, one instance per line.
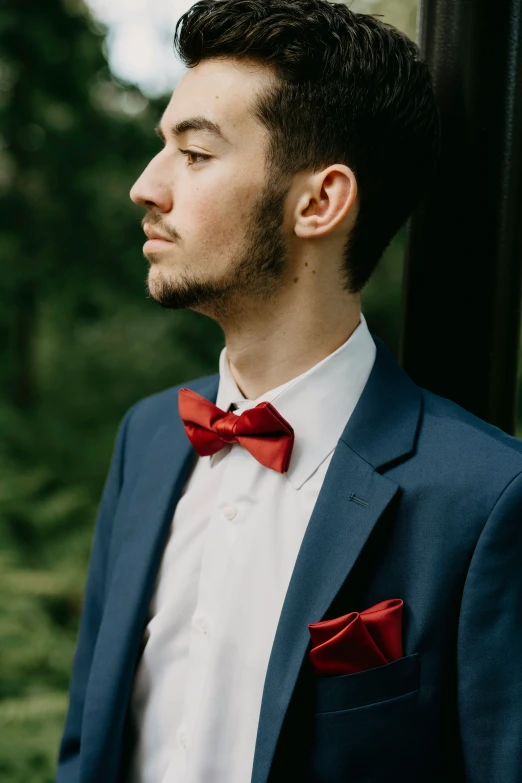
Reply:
x=422, y=501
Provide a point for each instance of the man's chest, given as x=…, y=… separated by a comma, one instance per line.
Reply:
x=228, y=559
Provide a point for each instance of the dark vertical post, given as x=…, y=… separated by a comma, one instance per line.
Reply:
x=462, y=289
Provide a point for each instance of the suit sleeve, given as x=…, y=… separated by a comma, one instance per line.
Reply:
x=490, y=648
x=69, y=752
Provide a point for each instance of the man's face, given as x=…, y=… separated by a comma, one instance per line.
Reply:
x=209, y=195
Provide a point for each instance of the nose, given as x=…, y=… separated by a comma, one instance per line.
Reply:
x=151, y=190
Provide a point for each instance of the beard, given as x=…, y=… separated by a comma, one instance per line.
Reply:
x=255, y=274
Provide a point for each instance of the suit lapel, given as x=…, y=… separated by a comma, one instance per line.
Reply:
x=382, y=429
x=148, y=515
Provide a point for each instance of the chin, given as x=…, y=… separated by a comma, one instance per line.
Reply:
x=165, y=288
x=157, y=282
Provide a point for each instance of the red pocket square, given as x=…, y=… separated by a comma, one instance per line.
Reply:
x=357, y=641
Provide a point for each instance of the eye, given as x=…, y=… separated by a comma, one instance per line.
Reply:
x=193, y=158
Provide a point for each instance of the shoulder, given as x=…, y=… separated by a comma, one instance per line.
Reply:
x=147, y=415
x=444, y=415
x=459, y=446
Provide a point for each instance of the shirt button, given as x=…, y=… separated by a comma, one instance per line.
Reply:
x=229, y=512
x=202, y=623
x=183, y=738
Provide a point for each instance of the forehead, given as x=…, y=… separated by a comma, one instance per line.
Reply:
x=222, y=91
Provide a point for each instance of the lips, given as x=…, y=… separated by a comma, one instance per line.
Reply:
x=151, y=233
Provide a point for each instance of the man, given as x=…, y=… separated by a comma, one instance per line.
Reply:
x=305, y=568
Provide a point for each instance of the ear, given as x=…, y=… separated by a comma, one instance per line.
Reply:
x=328, y=198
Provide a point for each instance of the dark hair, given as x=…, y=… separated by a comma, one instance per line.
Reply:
x=351, y=90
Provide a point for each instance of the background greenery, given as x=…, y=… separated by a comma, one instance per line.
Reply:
x=79, y=340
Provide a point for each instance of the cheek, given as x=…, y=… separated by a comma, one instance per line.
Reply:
x=218, y=219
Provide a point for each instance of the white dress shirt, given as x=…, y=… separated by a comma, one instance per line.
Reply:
x=235, y=536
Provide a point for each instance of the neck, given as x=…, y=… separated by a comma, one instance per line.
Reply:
x=279, y=340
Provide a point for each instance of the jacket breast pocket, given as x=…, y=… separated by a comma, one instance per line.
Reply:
x=367, y=726
x=368, y=687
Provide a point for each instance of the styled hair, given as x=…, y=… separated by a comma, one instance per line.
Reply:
x=350, y=89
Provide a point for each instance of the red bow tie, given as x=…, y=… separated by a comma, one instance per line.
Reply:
x=261, y=430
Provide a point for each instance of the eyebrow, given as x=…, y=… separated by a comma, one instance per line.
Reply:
x=193, y=124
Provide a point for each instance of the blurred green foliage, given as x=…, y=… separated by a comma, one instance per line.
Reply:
x=79, y=341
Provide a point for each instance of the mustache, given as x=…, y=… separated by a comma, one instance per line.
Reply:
x=153, y=219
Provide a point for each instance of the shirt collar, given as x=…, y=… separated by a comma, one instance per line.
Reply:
x=329, y=390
